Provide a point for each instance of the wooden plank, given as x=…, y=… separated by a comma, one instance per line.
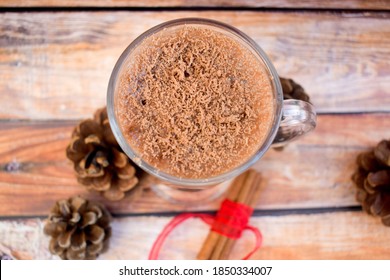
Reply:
x=312, y=172
x=343, y=235
x=57, y=65
x=307, y=4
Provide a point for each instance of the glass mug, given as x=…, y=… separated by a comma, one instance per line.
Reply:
x=292, y=119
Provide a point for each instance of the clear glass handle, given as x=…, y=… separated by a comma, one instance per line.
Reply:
x=298, y=118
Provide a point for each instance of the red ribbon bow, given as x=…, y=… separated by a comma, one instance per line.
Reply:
x=231, y=220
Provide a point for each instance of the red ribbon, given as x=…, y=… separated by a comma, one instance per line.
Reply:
x=232, y=218
x=230, y=221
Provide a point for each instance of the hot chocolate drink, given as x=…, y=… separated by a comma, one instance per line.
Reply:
x=194, y=102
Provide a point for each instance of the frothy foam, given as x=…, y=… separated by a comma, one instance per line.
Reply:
x=194, y=102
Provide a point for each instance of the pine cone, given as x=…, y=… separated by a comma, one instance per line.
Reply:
x=79, y=229
x=372, y=180
x=292, y=90
x=6, y=253
x=98, y=160
x=5, y=257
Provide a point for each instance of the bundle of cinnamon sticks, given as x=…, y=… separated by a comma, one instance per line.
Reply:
x=245, y=189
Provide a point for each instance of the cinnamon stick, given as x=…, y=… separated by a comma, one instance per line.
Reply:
x=251, y=201
x=213, y=237
x=244, y=189
x=241, y=198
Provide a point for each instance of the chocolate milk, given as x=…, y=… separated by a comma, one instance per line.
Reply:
x=194, y=102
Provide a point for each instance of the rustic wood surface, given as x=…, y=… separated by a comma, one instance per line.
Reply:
x=317, y=166
x=57, y=65
x=54, y=70
x=342, y=235
x=316, y=4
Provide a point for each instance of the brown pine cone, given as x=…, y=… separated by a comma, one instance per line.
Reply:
x=372, y=180
x=98, y=160
x=292, y=90
x=79, y=229
x=5, y=253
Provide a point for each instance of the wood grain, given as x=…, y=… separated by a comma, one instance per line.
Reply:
x=57, y=65
x=316, y=4
x=312, y=172
x=344, y=235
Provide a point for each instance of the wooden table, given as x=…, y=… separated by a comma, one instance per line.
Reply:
x=55, y=61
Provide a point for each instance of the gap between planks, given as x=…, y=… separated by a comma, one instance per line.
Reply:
x=256, y=213
x=158, y=4
x=58, y=9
